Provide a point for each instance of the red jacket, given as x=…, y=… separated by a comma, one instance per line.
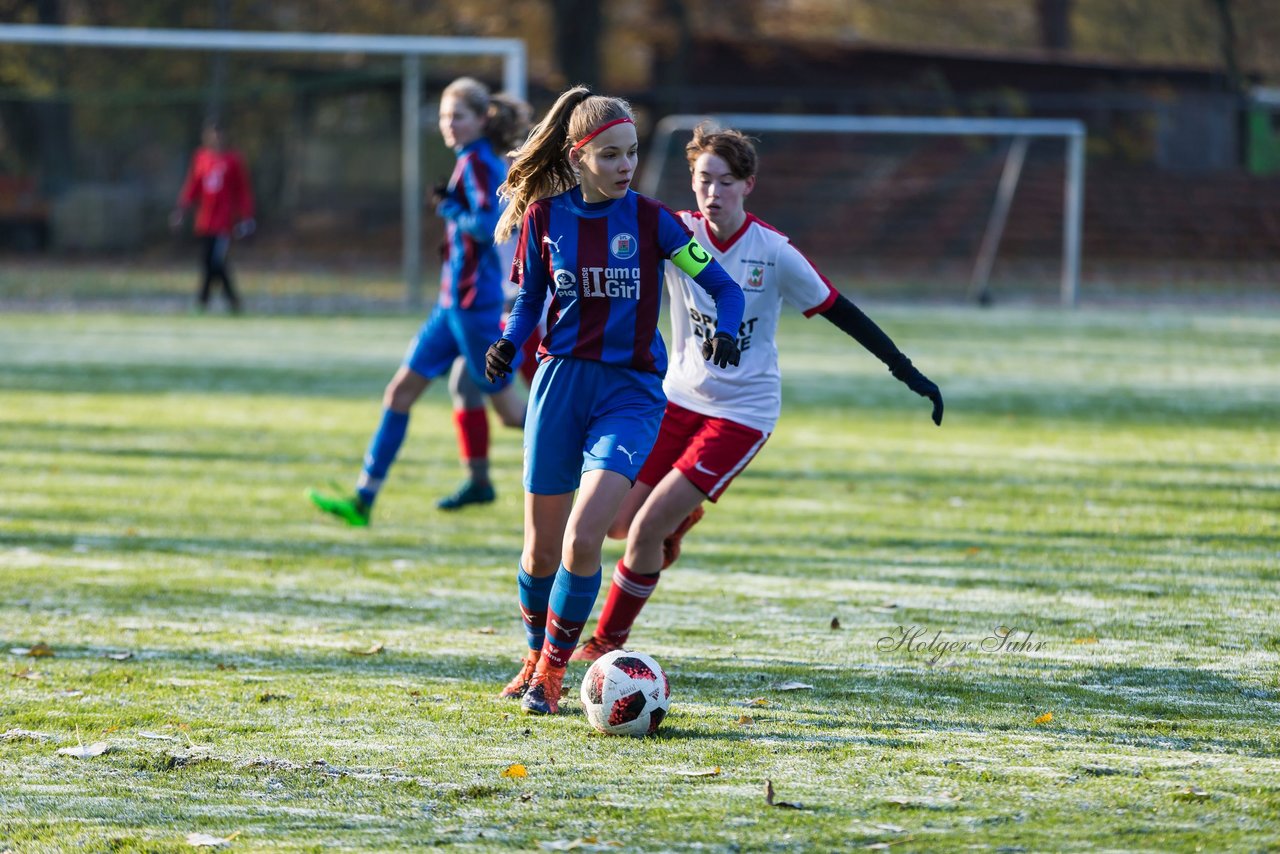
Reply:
x=219, y=185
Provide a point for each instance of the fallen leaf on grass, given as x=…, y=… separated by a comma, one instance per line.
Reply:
x=1089, y=639
x=835, y=623
x=886, y=606
x=24, y=735
x=222, y=666
x=40, y=650
x=746, y=720
x=267, y=697
x=1044, y=719
x=205, y=840
x=515, y=772
x=118, y=656
x=701, y=772
x=26, y=673
x=754, y=701
x=84, y=751
x=793, y=686
x=768, y=798
x=373, y=650
x=1191, y=793
x=486, y=630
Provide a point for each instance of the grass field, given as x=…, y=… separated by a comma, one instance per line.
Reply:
x=1108, y=482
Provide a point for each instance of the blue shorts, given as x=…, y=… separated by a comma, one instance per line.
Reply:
x=449, y=333
x=586, y=415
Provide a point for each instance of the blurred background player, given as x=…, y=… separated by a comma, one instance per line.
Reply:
x=217, y=185
x=716, y=422
x=506, y=128
x=596, y=401
x=480, y=128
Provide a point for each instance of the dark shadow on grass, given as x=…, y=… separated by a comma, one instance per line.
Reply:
x=897, y=704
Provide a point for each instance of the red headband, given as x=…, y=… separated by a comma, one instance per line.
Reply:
x=604, y=127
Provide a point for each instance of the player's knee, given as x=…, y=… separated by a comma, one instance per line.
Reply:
x=399, y=397
x=582, y=550
x=514, y=420
x=540, y=561
x=620, y=528
x=646, y=530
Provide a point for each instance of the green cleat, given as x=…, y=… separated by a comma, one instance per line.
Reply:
x=351, y=510
x=469, y=493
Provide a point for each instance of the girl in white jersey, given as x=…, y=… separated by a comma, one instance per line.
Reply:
x=716, y=422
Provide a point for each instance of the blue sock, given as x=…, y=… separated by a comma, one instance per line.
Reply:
x=572, y=599
x=534, y=593
x=381, y=454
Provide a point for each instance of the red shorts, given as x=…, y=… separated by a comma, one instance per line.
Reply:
x=709, y=451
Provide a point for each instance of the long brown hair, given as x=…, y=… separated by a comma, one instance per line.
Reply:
x=542, y=166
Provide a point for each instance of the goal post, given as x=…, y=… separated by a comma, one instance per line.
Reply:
x=1018, y=131
x=411, y=48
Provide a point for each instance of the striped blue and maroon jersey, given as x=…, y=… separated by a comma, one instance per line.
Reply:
x=602, y=264
x=473, y=271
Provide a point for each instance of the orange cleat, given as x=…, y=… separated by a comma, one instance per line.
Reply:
x=543, y=694
x=517, y=687
x=593, y=649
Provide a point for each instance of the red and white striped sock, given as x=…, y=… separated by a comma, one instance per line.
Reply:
x=627, y=596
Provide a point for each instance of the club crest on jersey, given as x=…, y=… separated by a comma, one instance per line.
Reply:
x=566, y=284
x=623, y=246
x=756, y=278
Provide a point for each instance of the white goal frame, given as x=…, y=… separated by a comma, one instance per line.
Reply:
x=410, y=48
x=1020, y=131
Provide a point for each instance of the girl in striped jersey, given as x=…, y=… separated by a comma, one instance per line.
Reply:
x=468, y=314
x=715, y=424
x=598, y=249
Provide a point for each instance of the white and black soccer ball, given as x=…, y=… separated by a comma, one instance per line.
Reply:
x=626, y=693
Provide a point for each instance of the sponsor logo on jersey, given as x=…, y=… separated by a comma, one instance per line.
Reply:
x=623, y=246
x=611, y=282
x=566, y=284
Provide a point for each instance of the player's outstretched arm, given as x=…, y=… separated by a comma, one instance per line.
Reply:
x=850, y=319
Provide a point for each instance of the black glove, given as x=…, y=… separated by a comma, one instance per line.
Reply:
x=908, y=375
x=497, y=360
x=721, y=350
x=438, y=193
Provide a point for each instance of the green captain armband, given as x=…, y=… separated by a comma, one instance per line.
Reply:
x=692, y=259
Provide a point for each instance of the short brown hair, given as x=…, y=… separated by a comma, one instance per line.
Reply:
x=732, y=146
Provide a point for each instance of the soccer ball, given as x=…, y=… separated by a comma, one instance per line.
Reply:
x=626, y=693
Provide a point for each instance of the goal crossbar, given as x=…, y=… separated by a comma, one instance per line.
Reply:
x=410, y=48
x=1072, y=131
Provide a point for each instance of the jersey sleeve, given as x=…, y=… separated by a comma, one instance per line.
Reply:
x=243, y=189
x=801, y=284
x=529, y=272
x=479, y=216
x=679, y=245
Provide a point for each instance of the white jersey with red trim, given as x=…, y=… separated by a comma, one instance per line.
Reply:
x=771, y=271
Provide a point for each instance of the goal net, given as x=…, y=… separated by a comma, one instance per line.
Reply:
x=97, y=128
x=912, y=208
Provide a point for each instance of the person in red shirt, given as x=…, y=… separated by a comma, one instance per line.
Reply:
x=217, y=185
